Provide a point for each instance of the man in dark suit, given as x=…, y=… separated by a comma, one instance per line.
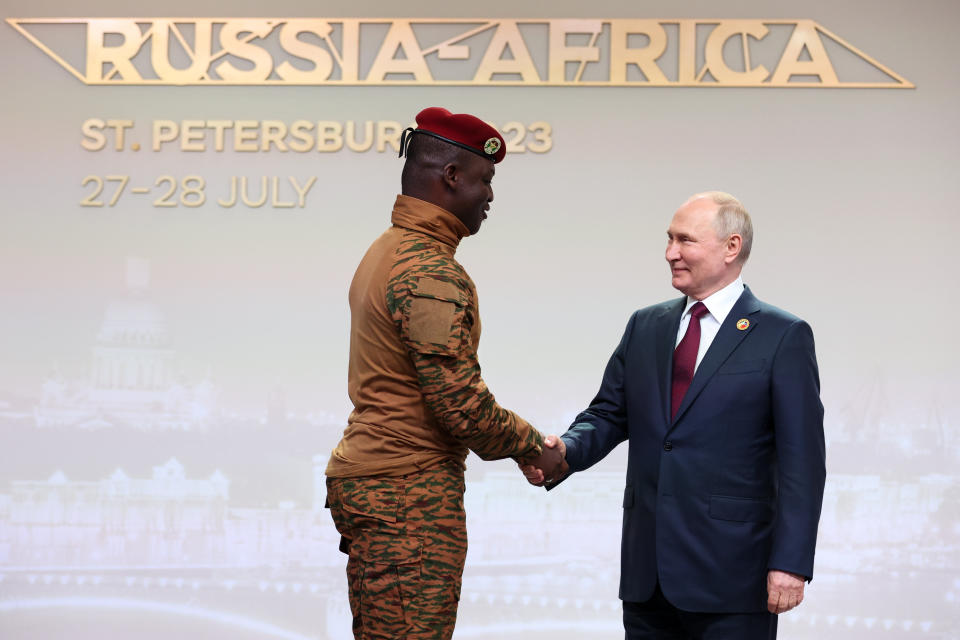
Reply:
x=718, y=394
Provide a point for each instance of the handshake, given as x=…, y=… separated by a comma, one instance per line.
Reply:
x=550, y=466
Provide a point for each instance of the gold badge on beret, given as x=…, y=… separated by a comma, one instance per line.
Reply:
x=491, y=146
x=743, y=324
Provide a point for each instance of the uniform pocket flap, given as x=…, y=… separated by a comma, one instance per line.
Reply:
x=433, y=321
x=628, y=497
x=742, y=366
x=438, y=290
x=381, y=503
x=740, y=509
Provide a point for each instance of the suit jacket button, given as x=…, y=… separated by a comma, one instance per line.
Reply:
x=667, y=446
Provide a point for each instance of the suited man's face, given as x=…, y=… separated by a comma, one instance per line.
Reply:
x=700, y=262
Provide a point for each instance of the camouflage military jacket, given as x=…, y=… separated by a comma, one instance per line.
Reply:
x=414, y=378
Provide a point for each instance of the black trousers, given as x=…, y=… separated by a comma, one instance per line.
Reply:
x=657, y=619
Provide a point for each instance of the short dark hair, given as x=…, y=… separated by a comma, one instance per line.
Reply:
x=424, y=153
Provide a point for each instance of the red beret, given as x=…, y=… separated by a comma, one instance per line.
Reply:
x=460, y=129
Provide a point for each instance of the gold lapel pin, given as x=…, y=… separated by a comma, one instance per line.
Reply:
x=743, y=324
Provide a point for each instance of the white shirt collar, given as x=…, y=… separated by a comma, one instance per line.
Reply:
x=720, y=302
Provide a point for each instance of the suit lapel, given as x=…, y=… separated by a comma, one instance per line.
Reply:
x=728, y=338
x=667, y=325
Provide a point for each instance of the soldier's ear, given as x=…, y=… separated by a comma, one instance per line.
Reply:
x=451, y=175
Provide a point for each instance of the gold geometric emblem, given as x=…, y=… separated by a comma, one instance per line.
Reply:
x=743, y=324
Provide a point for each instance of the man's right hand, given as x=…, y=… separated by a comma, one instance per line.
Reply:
x=550, y=466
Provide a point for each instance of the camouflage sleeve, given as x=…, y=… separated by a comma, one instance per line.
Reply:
x=434, y=319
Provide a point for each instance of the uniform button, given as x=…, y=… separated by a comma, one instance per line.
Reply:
x=667, y=446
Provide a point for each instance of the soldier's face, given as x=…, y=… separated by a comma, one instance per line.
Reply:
x=474, y=191
x=700, y=262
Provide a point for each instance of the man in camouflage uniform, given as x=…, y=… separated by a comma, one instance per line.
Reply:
x=395, y=481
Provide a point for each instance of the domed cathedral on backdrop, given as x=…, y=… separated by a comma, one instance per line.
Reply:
x=133, y=379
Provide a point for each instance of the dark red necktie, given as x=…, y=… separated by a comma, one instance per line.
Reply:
x=685, y=358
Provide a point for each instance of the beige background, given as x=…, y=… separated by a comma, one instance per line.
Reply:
x=220, y=532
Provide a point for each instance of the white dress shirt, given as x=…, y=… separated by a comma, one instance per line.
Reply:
x=718, y=305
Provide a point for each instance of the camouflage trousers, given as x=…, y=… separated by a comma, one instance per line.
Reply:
x=406, y=538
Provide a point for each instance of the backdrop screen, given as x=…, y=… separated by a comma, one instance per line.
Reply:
x=185, y=201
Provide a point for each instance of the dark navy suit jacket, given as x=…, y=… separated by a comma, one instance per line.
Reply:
x=732, y=487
